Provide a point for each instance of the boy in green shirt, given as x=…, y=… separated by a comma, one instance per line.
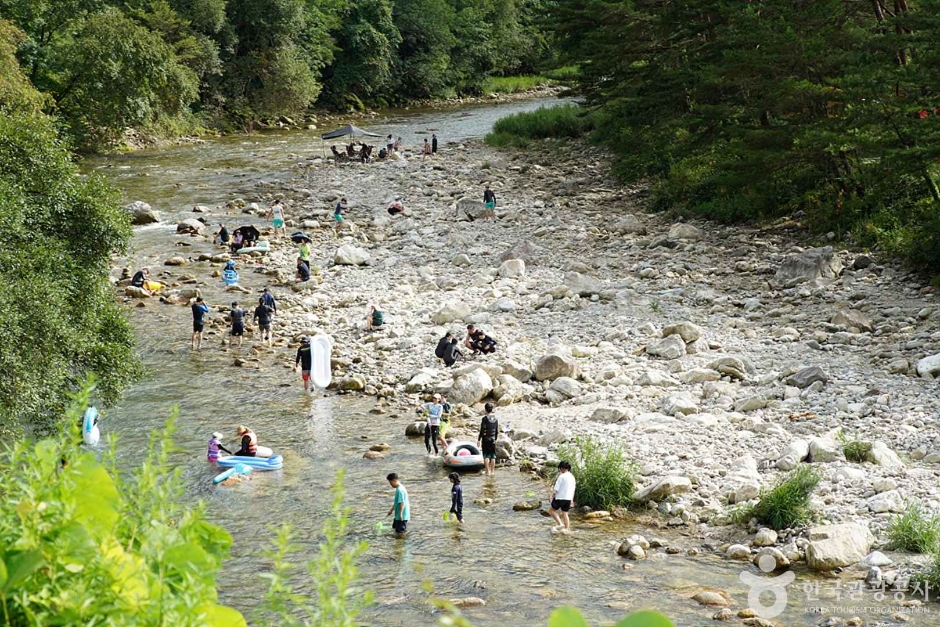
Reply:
x=400, y=507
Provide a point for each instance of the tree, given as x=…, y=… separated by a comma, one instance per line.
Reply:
x=58, y=231
x=361, y=69
x=423, y=62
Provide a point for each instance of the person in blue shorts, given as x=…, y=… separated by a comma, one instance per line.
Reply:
x=489, y=204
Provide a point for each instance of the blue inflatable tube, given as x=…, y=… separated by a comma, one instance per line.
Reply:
x=241, y=469
x=275, y=462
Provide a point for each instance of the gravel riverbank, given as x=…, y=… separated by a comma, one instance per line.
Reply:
x=717, y=357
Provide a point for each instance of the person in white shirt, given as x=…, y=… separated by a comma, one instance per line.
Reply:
x=562, y=497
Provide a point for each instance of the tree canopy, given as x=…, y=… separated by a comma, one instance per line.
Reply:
x=757, y=109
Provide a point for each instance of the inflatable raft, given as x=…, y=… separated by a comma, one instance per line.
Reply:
x=321, y=374
x=463, y=455
x=275, y=462
x=262, y=246
x=90, y=432
x=241, y=469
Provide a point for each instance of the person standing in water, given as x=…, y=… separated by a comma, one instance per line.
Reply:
x=200, y=309
x=456, y=496
x=215, y=445
x=562, y=497
x=238, y=324
x=400, y=506
x=434, y=143
x=489, y=204
x=277, y=217
x=489, y=431
x=432, y=430
x=305, y=361
x=264, y=314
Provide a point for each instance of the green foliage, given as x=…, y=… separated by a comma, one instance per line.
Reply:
x=336, y=600
x=515, y=84
x=16, y=93
x=786, y=505
x=855, y=450
x=741, y=111
x=604, y=477
x=58, y=231
x=928, y=578
x=82, y=544
x=519, y=129
x=915, y=529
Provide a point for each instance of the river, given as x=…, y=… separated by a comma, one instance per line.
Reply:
x=508, y=558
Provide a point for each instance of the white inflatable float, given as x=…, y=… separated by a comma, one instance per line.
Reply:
x=261, y=246
x=90, y=433
x=321, y=373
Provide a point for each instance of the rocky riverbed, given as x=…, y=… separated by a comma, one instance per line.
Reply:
x=717, y=357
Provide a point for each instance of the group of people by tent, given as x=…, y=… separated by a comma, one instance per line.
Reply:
x=363, y=152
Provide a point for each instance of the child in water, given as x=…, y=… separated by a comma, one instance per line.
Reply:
x=215, y=445
x=456, y=496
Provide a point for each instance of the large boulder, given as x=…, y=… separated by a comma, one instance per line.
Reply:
x=524, y=249
x=471, y=387
x=929, y=367
x=567, y=387
x=583, y=285
x=420, y=382
x=509, y=390
x=471, y=208
x=807, y=266
x=671, y=347
x=352, y=383
x=807, y=376
x=452, y=312
x=853, y=319
x=667, y=486
x=512, y=268
x=824, y=450
x=743, y=481
x=520, y=371
x=557, y=363
x=191, y=226
x=608, y=415
x=686, y=330
x=684, y=231
x=628, y=224
x=136, y=292
x=349, y=255
x=836, y=546
x=141, y=213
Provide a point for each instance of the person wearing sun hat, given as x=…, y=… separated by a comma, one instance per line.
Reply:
x=249, y=445
x=215, y=445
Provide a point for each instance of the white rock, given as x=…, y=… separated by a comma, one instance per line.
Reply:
x=557, y=363
x=823, y=450
x=765, y=537
x=512, y=268
x=664, y=487
x=452, y=312
x=470, y=388
x=349, y=255
x=738, y=552
x=929, y=367
x=671, y=347
x=567, y=387
x=686, y=330
x=835, y=546
x=685, y=231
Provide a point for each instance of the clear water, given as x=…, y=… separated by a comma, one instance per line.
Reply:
x=508, y=558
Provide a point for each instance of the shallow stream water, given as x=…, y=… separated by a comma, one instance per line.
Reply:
x=508, y=558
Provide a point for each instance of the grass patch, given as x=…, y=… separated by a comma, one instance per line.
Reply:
x=564, y=74
x=915, y=529
x=785, y=505
x=514, y=84
x=605, y=478
x=929, y=577
x=552, y=122
x=855, y=450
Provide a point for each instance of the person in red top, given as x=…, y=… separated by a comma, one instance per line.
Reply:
x=249, y=445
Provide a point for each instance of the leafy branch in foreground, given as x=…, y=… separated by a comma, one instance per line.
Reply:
x=337, y=600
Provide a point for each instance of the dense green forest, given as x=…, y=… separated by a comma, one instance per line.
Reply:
x=824, y=109
x=169, y=65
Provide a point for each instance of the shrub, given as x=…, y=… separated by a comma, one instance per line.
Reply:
x=787, y=503
x=928, y=578
x=915, y=529
x=82, y=545
x=545, y=122
x=605, y=478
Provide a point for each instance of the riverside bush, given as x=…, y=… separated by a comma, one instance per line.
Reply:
x=787, y=503
x=605, y=478
x=82, y=544
x=564, y=121
x=915, y=529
